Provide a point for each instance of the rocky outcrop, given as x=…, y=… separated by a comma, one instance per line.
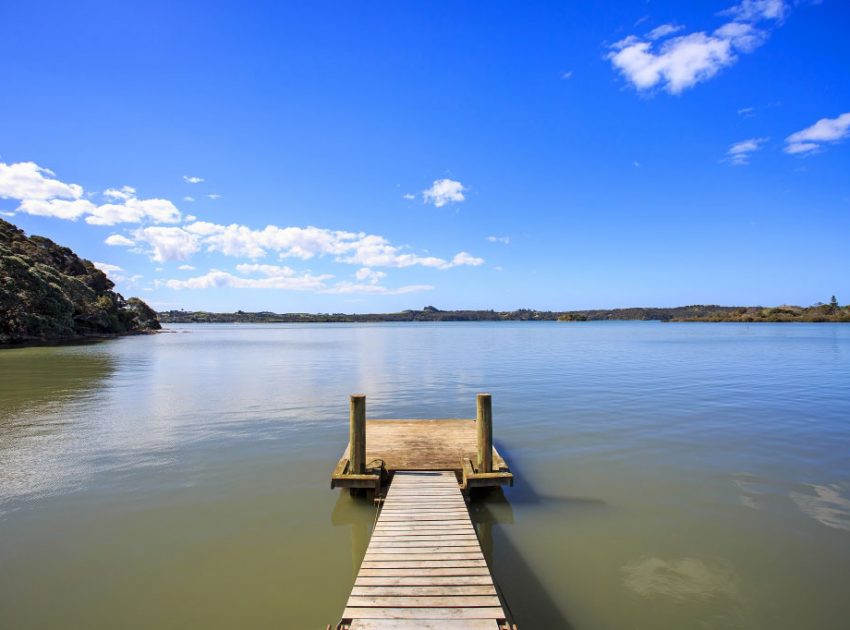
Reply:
x=48, y=293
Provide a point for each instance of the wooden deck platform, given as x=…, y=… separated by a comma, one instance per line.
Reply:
x=424, y=568
x=444, y=444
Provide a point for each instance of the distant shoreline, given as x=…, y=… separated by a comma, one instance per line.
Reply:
x=694, y=313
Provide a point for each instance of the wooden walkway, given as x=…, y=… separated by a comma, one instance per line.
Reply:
x=424, y=568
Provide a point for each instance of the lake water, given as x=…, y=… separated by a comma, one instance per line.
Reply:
x=670, y=476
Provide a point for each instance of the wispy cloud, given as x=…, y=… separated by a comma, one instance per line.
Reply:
x=106, y=267
x=826, y=130
x=408, y=196
x=257, y=276
x=444, y=191
x=28, y=180
x=567, y=75
x=677, y=63
x=39, y=193
x=747, y=112
x=240, y=241
x=191, y=179
x=189, y=199
x=365, y=274
x=740, y=152
x=214, y=196
x=346, y=288
x=119, y=241
x=663, y=31
x=273, y=278
x=500, y=239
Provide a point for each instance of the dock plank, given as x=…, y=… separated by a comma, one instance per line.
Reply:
x=495, y=613
x=424, y=567
x=424, y=624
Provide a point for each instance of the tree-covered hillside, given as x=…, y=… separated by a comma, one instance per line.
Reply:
x=48, y=293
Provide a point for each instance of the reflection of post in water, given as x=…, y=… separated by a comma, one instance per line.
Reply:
x=359, y=515
x=494, y=508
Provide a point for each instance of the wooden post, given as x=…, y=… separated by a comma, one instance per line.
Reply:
x=358, y=434
x=484, y=429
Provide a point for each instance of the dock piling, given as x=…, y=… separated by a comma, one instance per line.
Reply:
x=358, y=434
x=484, y=430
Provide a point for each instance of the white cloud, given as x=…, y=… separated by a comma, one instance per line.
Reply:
x=189, y=199
x=755, y=10
x=801, y=147
x=567, y=75
x=284, y=278
x=369, y=275
x=408, y=196
x=69, y=209
x=106, y=267
x=746, y=112
x=355, y=248
x=125, y=192
x=134, y=210
x=739, y=153
x=374, y=289
x=267, y=270
x=119, y=240
x=214, y=196
x=500, y=239
x=681, y=62
x=190, y=218
x=663, y=31
x=28, y=180
x=823, y=131
x=190, y=179
x=40, y=194
x=169, y=243
x=186, y=268
x=444, y=191
x=463, y=259
x=280, y=278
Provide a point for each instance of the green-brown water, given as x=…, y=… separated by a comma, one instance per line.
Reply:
x=670, y=476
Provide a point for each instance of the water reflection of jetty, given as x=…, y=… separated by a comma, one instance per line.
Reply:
x=424, y=566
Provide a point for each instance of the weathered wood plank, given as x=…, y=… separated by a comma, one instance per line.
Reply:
x=425, y=580
x=422, y=445
x=461, y=601
x=422, y=591
x=422, y=564
x=424, y=624
x=409, y=556
x=424, y=531
x=439, y=516
x=494, y=612
x=417, y=550
x=424, y=572
x=413, y=544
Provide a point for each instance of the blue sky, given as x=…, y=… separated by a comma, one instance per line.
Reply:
x=379, y=156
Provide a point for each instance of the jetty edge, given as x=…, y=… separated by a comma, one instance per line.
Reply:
x=423, y=567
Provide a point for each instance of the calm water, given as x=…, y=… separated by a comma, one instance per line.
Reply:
x=671, y=476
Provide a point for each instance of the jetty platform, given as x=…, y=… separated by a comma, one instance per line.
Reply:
x=423, y=567
x=463, y=446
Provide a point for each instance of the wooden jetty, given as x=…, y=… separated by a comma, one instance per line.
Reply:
x=445, y=444
x=424, y=567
